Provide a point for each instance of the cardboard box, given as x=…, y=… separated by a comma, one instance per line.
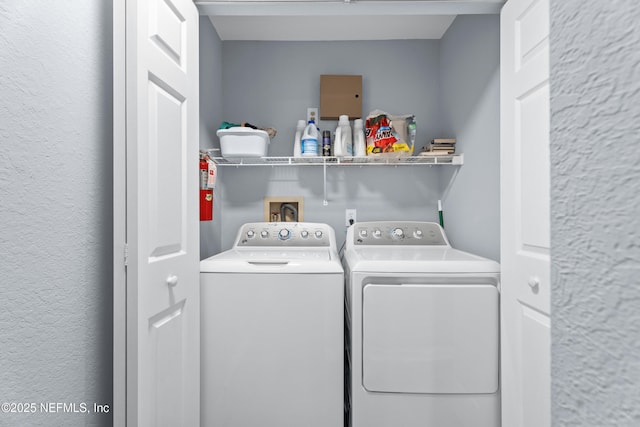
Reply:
x=339, y=95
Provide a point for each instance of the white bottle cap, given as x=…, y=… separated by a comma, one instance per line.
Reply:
x=357, y=123
x=344, y=120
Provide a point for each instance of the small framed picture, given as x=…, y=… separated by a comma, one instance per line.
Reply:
x=284, y=209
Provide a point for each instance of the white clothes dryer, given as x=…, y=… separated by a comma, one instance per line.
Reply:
x=272, y=329
x=423, y=329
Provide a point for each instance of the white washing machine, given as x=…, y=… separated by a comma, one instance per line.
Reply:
x=423, y=329
x=272, y=330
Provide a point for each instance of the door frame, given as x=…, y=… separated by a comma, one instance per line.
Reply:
x=119, y=214
x=119, y=409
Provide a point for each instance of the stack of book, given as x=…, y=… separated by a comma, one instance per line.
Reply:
x=440, y=147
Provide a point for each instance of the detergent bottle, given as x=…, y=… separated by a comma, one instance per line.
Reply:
x=297, y=147
x=343, y=144
x=359, y=142
x=310, y=139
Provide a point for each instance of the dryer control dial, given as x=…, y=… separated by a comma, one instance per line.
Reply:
x=304, y=234
x=418, y=234
x=251, y=234
x=397, y=233
x=377, y=233
x=318, y=234
x=264, y=234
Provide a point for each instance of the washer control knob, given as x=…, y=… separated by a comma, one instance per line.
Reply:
x=417, y=234
x=264, y=234
x=318, y=234
x=363, y=233
x=284, y=234
x=304, y=234
x=397, y=233
x=251, y=234
x=377, y=233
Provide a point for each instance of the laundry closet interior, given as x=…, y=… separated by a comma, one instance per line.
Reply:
x=442, y=65
x=471, y=70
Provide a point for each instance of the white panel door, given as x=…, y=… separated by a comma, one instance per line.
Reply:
x=163, y=315
x=525, y=322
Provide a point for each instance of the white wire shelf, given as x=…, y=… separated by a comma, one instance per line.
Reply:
x=456, y=159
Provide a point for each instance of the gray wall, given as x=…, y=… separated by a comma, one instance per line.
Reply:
x=272, y=84
x=377, y=193
x=56, y=208
x=595, y=213
x=470, y=80
x=210, y=118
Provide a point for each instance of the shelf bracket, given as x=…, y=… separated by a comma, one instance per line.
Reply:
x=445, y=193
x=324, y=173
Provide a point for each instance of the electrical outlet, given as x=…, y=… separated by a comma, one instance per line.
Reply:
x=312, y=114
x=350, y=217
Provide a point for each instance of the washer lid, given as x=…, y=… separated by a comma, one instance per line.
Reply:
x=407, y=259
x=273, y=260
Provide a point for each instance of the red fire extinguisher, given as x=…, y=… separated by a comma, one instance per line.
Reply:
x=206, y=189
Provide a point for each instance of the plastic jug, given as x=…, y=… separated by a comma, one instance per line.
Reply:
x=297, y=147
x=343, y=144
x=359, y=142
x=310, y=140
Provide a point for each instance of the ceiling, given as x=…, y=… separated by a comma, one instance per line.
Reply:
x=330, y=28
x=299, y=20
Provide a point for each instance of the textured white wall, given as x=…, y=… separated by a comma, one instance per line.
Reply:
x=595, y=218
x=55, y=208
